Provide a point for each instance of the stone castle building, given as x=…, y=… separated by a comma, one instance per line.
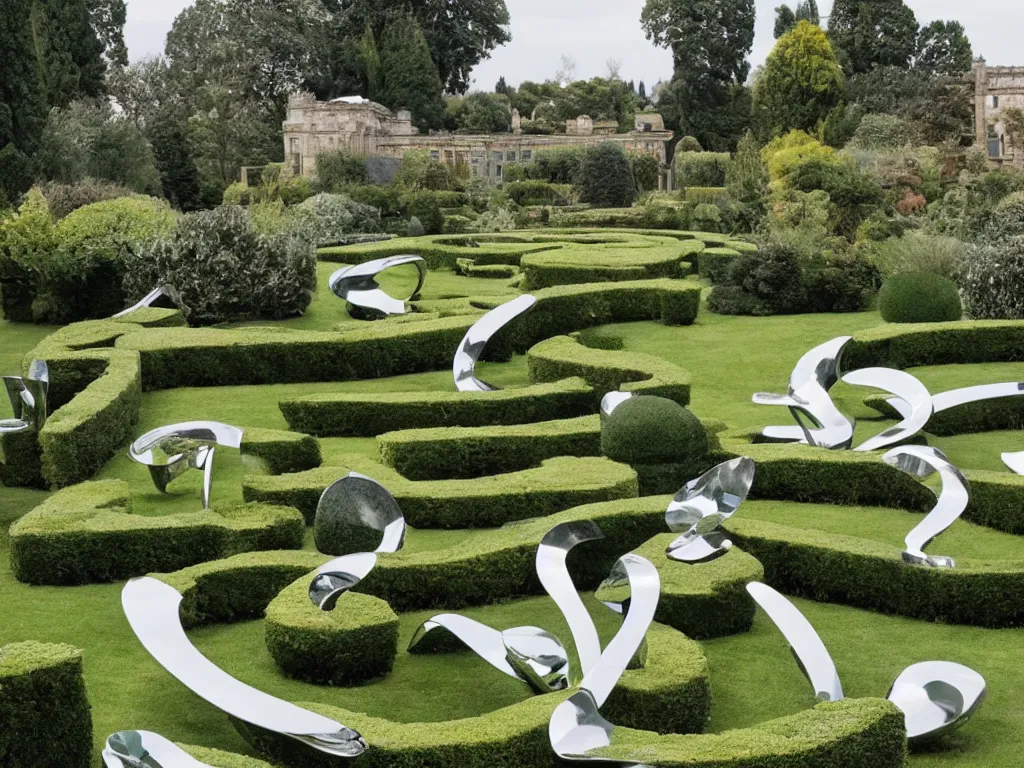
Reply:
x=366, y=128
x=995, y=89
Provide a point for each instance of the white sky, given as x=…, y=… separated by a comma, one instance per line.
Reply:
x=593, y=31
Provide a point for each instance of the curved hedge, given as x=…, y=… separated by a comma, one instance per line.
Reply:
x=965, y=341
x=714, y=264
x=647, y=258
x=45, y=719
x=87, y=533
x=557, y=484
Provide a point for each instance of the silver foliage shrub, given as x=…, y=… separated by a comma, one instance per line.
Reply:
x=327, y=219
x=223, y=269
x=992, y=282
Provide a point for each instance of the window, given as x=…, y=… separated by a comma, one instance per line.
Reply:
x=497, y=172
x=295, y=146
x=449, y=157
x=527, y=154
x=995, y=102
x=510, y=156
x=497, y=156
x=435, y=154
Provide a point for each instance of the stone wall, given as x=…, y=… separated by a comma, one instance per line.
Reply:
x=995, y=90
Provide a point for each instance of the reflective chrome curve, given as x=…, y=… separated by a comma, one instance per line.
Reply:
x=905, y=387
x=475, y=341
x=702, y=505
x=335, y=578
x=359, y=287
x=145, y=749
x=613, y=400
x=28, y=396
x=151, y=607
x=1015, y=461
x=921, y=462
x=952, y=398
x=362, y=504
x=163, y=295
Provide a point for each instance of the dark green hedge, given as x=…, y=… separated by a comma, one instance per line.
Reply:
x=354, y=643
x=590, y=264
x=715, y=263
x=281, y=451
x=442, y=251
x=87, y=533
x=981, y=416
x=45, y=719
x=21, y=460
x=964, y=341
x=357, y=414
x=556, y=485
x=219, y=759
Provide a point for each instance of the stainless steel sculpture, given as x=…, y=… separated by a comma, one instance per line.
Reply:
x=613, y=400
x=151, y=607
x=921, y=462
x=145, y=749
x=366, y=299
x=808, y=399
x=473, y=343
x=576, y=727
x=1015, y=461
x=357, y=502
x=906, y=388
x=28, y=399
x=161, y=296
x=702, y=505
x=956, y=397
x=936, y=697
x=529, y=653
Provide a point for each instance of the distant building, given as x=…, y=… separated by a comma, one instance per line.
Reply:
x=995, y=89
x=366, y=128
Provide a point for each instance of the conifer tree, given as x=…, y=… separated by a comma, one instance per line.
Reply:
x=410, y=79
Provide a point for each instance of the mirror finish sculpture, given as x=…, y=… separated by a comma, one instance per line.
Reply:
x=808, y=400
x=613, y=400
x=956, y=397
x=172, y=450
x=161, y=296
x=921, y=462
x=530, y=654
x=702, y=505
x=151, y=607
x=366, y=299
x=936, y=697
x=145, y=749
x=28, y=396
x=1015, y=461
x=576, y=727
x=906, y=388
x=472, y=346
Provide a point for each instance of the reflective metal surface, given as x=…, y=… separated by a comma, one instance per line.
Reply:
x=484, y=641
x=335, y=578
x=936, y=697
x=363, y=505
x=906, y=388
x=145, y=749
x=538, y=657
x=1015, y=461
x=808, y=399
x=172, y=450
x=28, y=396
x=151, y=607
x=613, y=400
x=702, y=505
x=955, y=397
x=920, y=462
x=473, y=343
x=162, y=296
x=359, y=287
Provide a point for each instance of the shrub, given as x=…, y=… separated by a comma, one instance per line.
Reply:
x=425, y=205
x=1007, y=219
x=993, y=282
x=919, y=297
x=557, y=166
x=880, y=131
x=688, y=144
x=66, y=198
x=238, y=194
x=853, y=195
x=325, y=219
x=701, y=169
x=706, y=218
x=387, y=200
x=769, y=282
x=918, y=251
x=335, y=170
x=785, y=154
x=27, y=241
x=645, y=171
x=416, y=228
x=222, y=269
x=456, y=225
x=605, y=177
x=653, y=430
x=538, y=193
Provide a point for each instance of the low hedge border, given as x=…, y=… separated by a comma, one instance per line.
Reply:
x=281, y=452
x=21, y=460
x=87, y=534
x=596, y=264
x=714, y=264
x=155, y=317
x=358, y=414
x=558, y=484
x=851, y=571
x=964, y=341
x=443, y=251
x=354, y=643
x=703, y=600
x=608, y=370
x=45, y=718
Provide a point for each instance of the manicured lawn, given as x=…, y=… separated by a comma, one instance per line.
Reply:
x=754, y=677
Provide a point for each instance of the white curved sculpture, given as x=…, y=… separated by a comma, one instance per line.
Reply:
x=698, y=510
x=161, y=296
x=28, y=396
x=473, y=343
x=145, y=749
x=359, y=287
x=956, y=397
x=906, y=388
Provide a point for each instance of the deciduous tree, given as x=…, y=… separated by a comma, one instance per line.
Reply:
x=873, y=33
x=943, y=49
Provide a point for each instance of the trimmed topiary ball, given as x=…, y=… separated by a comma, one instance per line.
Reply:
x=652, y=430
x=919, y=297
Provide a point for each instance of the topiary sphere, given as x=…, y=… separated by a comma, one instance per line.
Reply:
x=652, y=430
x=919, y=297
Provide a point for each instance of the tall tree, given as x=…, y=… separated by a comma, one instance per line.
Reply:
x=800, y=84
x=23, y=104
x=369, y=57
x=502, y=86
x=943, y=49
x=179, y=175
x=642, y=90
x=108, y=19
x=411, y=80
x=69, y=52
x=786, y=18
x=873, y=33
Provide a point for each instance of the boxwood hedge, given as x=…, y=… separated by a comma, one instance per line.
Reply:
x=966, y=341
x=648, y=258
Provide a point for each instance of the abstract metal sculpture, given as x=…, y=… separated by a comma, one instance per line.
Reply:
x=366, y=299
x=28, y=397
x=812, y=377
x=161, y=296
x=1015, y=461
x=530, y=654
x=613, y=400
x=702, y=505
x=362, y=504
x=936, y=697
x=151, y=607
x=172, y=450
x=576, y=726
x=473, y=343
x=145, y=749
x=921, y=462
x=956, y=397
x=906, y=388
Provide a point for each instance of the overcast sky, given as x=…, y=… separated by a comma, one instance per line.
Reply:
x=594, y=31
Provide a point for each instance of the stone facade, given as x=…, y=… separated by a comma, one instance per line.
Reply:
x=995, y=89
x=365, y=128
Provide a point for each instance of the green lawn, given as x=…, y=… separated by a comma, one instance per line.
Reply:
x=754, y=677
